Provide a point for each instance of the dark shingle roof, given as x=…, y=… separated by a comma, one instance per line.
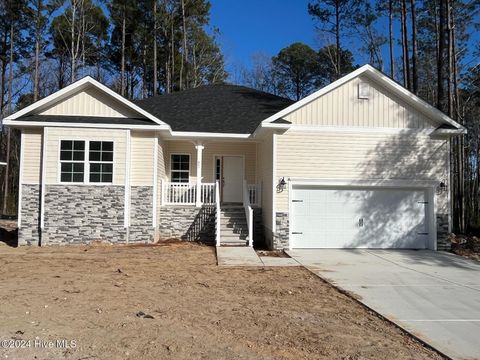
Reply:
x=87, y=120
x=215, y=108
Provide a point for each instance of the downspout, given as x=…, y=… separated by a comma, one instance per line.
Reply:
x=42, y=185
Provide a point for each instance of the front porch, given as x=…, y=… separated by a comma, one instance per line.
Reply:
x=212, y=188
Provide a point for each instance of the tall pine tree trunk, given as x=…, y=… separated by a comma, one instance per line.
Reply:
x=122, y=71
x=38, y=39
x=337, y=41
x=414, y=47
x=441, y=51
x=10, y=110
x=390, y=38
x=155, y=36
x=406, y=65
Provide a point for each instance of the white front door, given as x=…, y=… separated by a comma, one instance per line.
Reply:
x=232, y=179
x=359, y=218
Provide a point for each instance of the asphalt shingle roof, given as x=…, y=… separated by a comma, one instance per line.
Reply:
x=215, y=108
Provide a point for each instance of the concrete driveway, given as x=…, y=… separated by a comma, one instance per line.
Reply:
x=434, y=295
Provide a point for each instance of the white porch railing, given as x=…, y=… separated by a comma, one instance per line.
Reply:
x=248, y=211
x=217, y=213
x=186, y=193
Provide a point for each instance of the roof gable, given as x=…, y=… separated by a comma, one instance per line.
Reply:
x=86, y=97
x=413, y=111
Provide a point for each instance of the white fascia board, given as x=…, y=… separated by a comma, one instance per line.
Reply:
x=450, y=132
x=20, y=123
x=75, y=87
x=192, y=134
x=383, y=79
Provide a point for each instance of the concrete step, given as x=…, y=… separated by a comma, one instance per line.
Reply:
x=225, y=242
x=233, y=237
x=233, y=222
x=231, y=232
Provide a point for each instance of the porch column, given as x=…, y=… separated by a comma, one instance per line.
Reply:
x=199, y=148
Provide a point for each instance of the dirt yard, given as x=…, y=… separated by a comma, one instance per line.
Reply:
x=172, y=301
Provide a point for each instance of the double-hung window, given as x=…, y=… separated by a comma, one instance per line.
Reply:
x=72, y=161
x=180, y=168
x=101, y=161
x=77, y=165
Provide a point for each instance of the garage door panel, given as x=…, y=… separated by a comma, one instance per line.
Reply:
x=366, y=218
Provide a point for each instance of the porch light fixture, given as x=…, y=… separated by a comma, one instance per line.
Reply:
x=281, y=185
x=442, y=187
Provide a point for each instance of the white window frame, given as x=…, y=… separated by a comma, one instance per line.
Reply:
x=100, y=162
x=86, y=162
x=189, y=167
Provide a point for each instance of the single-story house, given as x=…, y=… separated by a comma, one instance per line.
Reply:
x=361, y=163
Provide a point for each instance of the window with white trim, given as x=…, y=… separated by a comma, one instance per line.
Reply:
x=180, y=168
x=75, y=162
x=100, y=158
x=72, y=161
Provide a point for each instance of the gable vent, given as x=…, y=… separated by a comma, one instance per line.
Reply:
x=363, y=90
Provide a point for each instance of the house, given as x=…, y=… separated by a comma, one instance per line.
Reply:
x=360, y=163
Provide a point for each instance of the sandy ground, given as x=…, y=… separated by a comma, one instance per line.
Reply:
x=191, y=309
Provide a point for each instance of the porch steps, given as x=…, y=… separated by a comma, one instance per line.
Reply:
x=233, y=226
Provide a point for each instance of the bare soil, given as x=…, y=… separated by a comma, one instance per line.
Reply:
x=172, y=301
x=466, y=245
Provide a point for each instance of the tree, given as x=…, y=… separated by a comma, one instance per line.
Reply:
x=327, y=69
x=365, y=20
x=297, y=69
x=334, y=16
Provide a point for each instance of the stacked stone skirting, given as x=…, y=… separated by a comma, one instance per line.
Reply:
x=281, y=235
x=187, y=223
x=141, y=214
x=443, y=243
x=28, y=233
x=78, y=214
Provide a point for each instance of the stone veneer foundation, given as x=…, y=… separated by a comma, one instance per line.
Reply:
x=78, y=214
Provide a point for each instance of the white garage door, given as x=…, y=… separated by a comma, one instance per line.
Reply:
x=359, y=218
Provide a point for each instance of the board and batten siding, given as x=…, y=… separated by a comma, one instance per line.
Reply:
x=142, y=158
x=32, y=156
x=359, y=156
x=342, y=107
x=90, y=102
x=55, y=135
x=264, y=176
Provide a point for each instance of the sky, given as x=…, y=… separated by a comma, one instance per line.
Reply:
x=251, y=26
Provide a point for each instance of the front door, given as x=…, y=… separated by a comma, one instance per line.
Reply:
x=232, y=179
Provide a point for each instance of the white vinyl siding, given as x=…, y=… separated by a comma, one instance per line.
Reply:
x=55, y=135
x=369, y=156
x=142, y=157
x=343, y=107
x=90, y=102
x=32, y=155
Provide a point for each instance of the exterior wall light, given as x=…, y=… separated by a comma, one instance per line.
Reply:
x=442, y=187
x=281, y=185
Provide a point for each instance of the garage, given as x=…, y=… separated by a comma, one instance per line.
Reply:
x=362, y=217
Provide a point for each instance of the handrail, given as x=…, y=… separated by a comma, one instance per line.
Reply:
x=248, y=212
x=217, y=213
x=186, y=193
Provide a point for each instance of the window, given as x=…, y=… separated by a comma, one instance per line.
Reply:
x=180, y=168
x=74, y=163
x=101, y=161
